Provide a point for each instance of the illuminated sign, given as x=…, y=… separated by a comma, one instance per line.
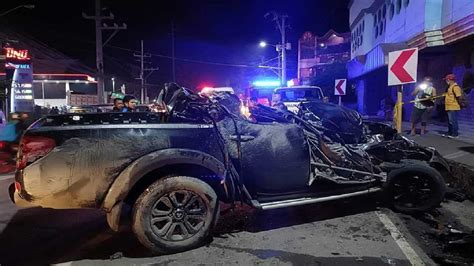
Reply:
x=11, y=53
x=15, y=66
x=22, y=95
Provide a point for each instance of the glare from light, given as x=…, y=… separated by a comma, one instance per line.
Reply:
x=206, y=90
x=321, y=44
x=423, y=86
x=266, y=83
x=263, y=44
x=290, y=83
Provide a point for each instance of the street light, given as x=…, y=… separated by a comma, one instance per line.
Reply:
x=113, y=84
x=18, y=7
x=263, y=44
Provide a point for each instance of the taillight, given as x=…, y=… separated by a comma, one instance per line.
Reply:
x=32, y=148
x=3, y=145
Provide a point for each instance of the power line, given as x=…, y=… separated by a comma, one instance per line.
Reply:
x=187, y=60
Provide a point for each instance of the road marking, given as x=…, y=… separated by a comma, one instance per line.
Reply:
x=401, y=241
x=456, y=155
x=6, y=177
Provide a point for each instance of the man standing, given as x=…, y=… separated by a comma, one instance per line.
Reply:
x=422, y=106
x=130, y=104
x=452, y=106
x=118, y=105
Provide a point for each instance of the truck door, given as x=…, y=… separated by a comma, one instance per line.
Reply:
x=274, y=157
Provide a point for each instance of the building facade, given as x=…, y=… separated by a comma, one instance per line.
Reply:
x=317, y=54
x=443, y=30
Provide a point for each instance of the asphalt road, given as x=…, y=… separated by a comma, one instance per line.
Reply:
x=348, y=232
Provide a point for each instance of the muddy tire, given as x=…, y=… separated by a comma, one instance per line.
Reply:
x=175, y=214
x=415, y=188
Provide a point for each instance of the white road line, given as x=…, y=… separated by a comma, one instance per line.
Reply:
x=456, y=155
x=401, y=241
x=6, y=177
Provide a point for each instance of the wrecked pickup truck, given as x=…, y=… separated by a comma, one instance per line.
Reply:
x=175, y=167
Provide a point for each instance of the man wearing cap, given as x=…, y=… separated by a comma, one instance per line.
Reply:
x=452, y=106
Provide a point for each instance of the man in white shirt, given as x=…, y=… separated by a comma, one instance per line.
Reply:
x=422, y=106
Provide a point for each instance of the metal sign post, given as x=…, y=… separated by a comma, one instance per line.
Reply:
x=399, y=109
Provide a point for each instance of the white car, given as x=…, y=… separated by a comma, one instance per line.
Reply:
x=293, y=96
x=208, y=91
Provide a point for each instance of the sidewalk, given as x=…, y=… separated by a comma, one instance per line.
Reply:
x=460, y=150
x=466, y=133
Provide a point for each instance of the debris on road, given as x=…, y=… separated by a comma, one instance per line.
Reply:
x=116, y=256
x=442, y=237
x=461, y=182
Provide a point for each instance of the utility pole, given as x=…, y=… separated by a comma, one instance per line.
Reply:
x=99, y=45
x=280, y=21
x=173, y=51
x=142, y=55
x=283, y=50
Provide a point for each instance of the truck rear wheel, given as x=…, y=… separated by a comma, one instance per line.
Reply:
x=175, y=214
x=415, y=188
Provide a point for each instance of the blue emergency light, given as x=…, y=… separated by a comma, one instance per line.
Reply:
x=266, y=83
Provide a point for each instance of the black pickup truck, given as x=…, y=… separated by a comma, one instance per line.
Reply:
x=175, y=167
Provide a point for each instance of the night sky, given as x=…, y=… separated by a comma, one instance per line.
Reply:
x=209, y=30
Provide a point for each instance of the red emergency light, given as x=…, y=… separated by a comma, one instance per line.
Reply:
x=11, y=53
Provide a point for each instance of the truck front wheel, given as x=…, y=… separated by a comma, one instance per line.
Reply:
x=175, y=214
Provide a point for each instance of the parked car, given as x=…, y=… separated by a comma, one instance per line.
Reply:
x=175, y=167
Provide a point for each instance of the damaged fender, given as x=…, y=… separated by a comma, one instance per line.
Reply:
x=120, y=188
